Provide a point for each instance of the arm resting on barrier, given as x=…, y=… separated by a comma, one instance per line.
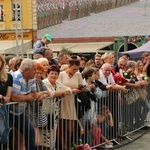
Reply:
x=119, y=87
x=22, y=98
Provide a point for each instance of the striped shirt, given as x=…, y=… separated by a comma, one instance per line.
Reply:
x=21, y=86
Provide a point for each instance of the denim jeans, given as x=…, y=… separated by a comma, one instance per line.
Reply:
x=21, y=123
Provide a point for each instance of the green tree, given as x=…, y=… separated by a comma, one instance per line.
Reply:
x=65, y=50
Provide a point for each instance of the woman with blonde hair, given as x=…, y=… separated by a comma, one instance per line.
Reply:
x=5, y=81
x=107, y=58
x=5, y=93
x=140, y=69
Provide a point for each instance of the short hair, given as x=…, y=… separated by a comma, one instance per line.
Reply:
x=74, y=57
x=87, y=72
x=60, y=55
x=40, y=60
x=98, y=55
x=145, y=54
x=40, y=67
x=37, y=56
x=123, y=58
x=47, y=51
x=126, y=55
x=131, y=64
x=53, y=68
x=17, y=63
x=96, y=69
x=106, y=65
x=27, y=64
x=83, y=59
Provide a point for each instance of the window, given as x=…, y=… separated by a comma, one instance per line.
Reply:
x=1, y=13
x=16, y=9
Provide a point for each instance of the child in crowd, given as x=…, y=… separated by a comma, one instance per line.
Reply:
x=102, y=122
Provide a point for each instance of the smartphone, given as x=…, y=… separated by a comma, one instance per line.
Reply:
x=81, y=87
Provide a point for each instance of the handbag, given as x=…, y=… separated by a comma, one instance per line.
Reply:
x=131, y=96
x=43, y=120
x=142, y=93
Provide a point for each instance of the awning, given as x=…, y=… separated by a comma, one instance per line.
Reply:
x=90, y=47
x=79, y=47
x=9, y=46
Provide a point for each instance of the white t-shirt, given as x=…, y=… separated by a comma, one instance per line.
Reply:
x=106, y=80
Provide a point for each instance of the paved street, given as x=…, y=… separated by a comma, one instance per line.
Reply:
x=133, y=19
x=140, y=144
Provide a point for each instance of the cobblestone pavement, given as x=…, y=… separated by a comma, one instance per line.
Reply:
x=130, y=20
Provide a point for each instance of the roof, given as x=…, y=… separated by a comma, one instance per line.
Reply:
x=9, y=46
x=79, y=47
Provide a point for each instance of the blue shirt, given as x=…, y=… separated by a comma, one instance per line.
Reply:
x=21, y=86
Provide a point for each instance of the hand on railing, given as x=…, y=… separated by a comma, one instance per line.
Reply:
x=30, y=98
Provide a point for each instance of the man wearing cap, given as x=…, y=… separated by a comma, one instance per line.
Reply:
x=41, y=45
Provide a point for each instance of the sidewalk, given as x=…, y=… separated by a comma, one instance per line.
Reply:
x=140, y=143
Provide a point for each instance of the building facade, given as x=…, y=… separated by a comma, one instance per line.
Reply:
x=17, y=17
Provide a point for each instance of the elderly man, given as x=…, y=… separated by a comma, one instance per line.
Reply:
x=122, y=62
x=106, y=77
x=23, y=92
x=41, y=45
x=109, y=98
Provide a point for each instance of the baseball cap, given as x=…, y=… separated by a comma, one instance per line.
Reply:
x=48, y=37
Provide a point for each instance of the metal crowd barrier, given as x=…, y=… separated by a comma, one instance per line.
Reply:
x=113, y=117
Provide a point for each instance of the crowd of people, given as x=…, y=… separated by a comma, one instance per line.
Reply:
x=70, y=97
x=52, y=12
